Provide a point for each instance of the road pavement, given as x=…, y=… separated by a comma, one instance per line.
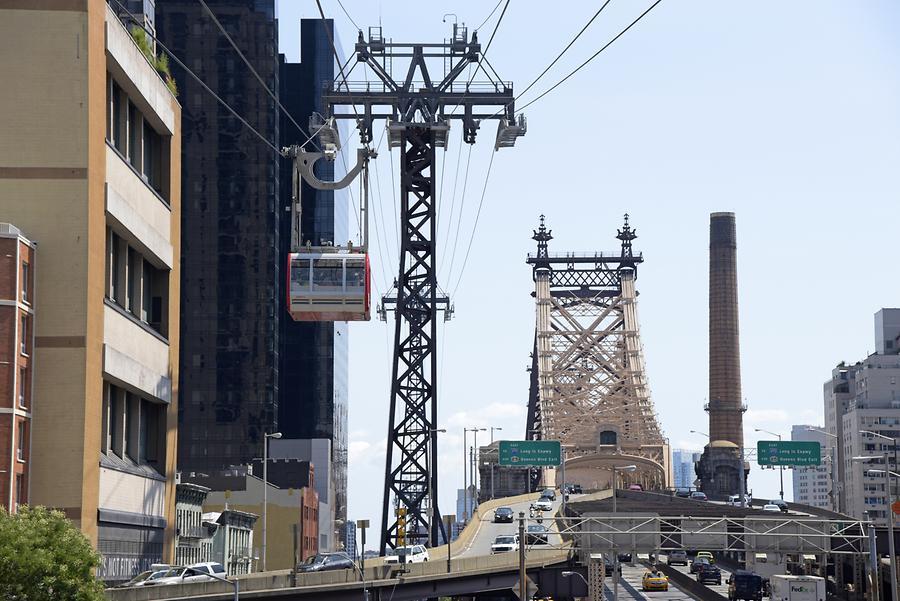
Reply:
x=488, y=530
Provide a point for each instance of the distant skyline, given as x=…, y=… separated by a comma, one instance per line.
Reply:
x=784, y=113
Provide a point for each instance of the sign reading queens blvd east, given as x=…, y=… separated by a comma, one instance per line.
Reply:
x=526, y=453
x=788, y=452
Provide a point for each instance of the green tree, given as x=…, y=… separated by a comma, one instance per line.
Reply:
x=43, y=557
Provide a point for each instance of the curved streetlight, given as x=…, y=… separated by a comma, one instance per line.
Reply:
x=266, y=438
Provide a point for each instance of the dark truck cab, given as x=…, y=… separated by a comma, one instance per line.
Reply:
x=743, y=584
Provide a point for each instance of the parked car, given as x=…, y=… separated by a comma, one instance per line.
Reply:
x=677, y=558
x=782, y=505
x=771, y=507
x=684, y=493
x=408, y=554
x=536, y=534
x=198, y=572
x=543, y=505
x=503, y=514
x=654, y=581
x=709, y=574
x=549, y=493
x=697, y=563
x=576, y=489
x=699, y=496
x=505, y=543
x=149, y=577
x=745, y=585
x=324, y=562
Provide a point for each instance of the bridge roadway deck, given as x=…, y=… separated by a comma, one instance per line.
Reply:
x=471, y=569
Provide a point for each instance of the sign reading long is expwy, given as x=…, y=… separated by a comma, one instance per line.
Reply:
x=788, y=452
x=530, y=452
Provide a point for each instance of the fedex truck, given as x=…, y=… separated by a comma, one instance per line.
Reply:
x=797, y=588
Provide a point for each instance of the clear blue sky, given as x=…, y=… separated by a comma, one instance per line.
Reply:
x=783, y=112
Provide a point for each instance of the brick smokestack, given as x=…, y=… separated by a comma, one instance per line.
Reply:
x=725, y=406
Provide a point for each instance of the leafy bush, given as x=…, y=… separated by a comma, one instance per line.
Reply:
x=160, y=62
x=43, y=557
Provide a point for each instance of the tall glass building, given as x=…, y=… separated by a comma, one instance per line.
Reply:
x=231, y=247
x=313, y=356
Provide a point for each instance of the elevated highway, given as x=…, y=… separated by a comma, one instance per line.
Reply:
x=644, y=523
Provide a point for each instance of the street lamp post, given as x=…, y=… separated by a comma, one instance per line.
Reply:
x=498, y=459
x=835, y=486
x=890, y=510
x=890, y=513
x=266, y=438
x=468, y=507
x=432, y=434
x=780, y=467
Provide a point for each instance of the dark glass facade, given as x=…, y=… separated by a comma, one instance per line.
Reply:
x=231, y=251
x=313, y=356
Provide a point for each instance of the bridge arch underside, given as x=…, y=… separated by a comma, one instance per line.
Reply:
x=594, y=471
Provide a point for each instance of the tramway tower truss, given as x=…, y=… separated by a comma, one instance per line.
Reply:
x=418, y=109
x=590, y=388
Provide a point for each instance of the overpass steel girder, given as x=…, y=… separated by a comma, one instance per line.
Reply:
x=647, y=533
x=590, y=391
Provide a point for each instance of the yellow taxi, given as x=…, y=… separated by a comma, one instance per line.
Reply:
x=654, y=581
x=707, y=555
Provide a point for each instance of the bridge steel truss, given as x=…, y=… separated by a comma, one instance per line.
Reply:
x=418, y=109
x=590, y=391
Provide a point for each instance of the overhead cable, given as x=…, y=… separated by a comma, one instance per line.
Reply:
x=181, y=64
x=475, y=227
x=564, y=50
x=309, y=138
x=593, y=56
x=487, y=18
x=341, y=4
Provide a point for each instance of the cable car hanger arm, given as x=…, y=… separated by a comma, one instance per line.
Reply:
x=304, y=162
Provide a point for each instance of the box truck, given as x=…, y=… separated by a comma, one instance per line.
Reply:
x=797, y=588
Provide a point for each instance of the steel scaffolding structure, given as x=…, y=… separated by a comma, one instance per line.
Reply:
x=418, y=109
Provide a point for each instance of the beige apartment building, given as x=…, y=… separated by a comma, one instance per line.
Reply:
x=90, y=171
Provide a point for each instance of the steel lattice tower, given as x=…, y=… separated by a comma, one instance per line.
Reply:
x=590, y=391
x=418, y=110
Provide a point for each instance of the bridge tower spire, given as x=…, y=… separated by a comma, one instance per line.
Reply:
x=590, y=391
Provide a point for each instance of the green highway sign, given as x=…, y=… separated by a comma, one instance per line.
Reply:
x=788, y=452
x=530, y=452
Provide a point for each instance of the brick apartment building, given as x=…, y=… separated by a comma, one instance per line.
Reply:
x=16, y=343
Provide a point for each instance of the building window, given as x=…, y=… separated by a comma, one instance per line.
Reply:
x=23, y=345
x=20, y=490
x=134, y=134
x=23, y=386
x=20, y=446
x=115, y=421
x=146, y=289
x=25, y=274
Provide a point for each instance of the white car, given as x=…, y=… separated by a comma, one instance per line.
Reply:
x=504, y=544
x=771, y=507
x=198, y=572
x=543, y=505
x=408, y=554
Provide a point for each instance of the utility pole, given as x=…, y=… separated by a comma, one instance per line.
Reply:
x=418, y=109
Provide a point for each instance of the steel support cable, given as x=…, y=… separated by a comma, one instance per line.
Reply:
x=453, y=196
x=462, y=205
x=309, y=137
x=338, y=60
x=341, y=4
x=564, y=50
x=488, y=18
x=475, y=227
x=593, y=56
x=197, y=78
